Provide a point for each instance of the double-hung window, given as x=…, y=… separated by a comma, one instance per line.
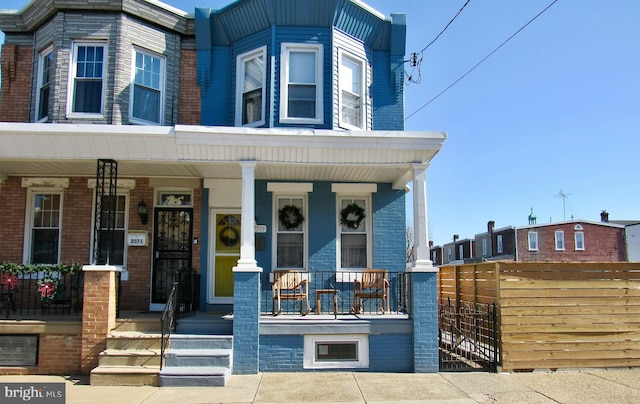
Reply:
x=118, y=232
x=354, y=232
x=290, y=238
x=499, y=242
x=351, y=91
x=301, y=83
x=251, y=77
x=45, y=226
x=485, y=247
x=147, y=101
x=45, y=77
x=533, y=240
x=88, y=70
x=579, y=238
x=559, y=240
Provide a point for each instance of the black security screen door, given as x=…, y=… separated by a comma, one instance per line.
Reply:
x=172, y=249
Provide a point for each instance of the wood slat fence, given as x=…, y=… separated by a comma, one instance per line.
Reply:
x=555, y=315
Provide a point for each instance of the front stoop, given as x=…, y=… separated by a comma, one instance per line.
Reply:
x=197, y=360
x=131, y=359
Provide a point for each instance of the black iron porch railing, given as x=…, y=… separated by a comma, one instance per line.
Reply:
x=334, y=293
x=41, y=294
x=168, y=320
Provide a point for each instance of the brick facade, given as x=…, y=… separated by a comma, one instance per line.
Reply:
x=189, y=96
x=602, y=243
x=16, y=63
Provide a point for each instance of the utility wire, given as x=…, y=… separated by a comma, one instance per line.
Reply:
x=447, y=26
x=481, y=61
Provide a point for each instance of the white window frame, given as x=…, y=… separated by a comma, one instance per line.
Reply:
x=499, y=243
x=160, y=89
x=241, y=62
x=304, y=230
x=362, y=90
x=286, y=49
x=485, y=247
x=73, y=79
x=579, y=241
x=310, y=342
x=532, y=238
x=124, y=229
x=30, y=215
x=559, y=240
x=368, y=230
x=44, y=57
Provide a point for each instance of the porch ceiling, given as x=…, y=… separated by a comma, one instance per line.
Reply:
x=214, y=152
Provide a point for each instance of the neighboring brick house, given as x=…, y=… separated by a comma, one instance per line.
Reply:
x=495, y=244
x=457, y=251
x=295, y=110
x=571, y=241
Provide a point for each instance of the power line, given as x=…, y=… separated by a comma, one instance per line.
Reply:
x=416, y=63
x=481, y=61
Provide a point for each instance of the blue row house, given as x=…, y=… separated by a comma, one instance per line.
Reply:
x=256, y=154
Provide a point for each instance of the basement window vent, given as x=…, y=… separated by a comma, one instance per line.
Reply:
x=19, y=350
x=336, y=352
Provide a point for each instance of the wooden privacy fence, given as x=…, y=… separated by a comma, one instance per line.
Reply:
x=556, y=315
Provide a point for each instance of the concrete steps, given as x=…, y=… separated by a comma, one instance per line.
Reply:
x=197, y=360
x=131, y=359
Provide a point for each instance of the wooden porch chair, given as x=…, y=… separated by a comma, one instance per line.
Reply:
x=372, y=285
x=289, y=285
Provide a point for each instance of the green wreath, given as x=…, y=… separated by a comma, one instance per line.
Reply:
x=229, y=236
x=352, y=215
x=290, y=217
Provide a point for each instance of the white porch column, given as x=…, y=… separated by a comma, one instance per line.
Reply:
x=247, y=248
x=420, y=220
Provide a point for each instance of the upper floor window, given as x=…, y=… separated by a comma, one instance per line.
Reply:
x=147, y=101
x=351, y=91
x=579, y=236
x=485, y=247
x=354, y=232
x=251, y=77
x=499, y=242
x=301, y=84
x=87, y=87
x=45, y=76
x=461, y=252
x=45, y=226
x=559, y=240
x=533, y=240
x=449, y=258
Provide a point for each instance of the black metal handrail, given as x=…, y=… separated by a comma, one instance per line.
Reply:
x=39, y=294
x=168, y=320
x=325, y=286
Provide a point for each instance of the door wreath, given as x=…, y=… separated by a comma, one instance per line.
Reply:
x=229, y=236
x=290, y=217
x=352, y=215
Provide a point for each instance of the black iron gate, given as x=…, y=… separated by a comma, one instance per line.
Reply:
x=468, y=336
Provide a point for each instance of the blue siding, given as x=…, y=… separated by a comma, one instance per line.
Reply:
x=264, y=216
x=215, y=101
x=389, y=227
x=204, y=252
x=311, y=36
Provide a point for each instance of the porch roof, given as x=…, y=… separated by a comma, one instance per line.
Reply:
x=32, y=149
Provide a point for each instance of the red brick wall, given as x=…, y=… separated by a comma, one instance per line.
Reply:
x=602, y=244
x=77, y=213
x=12, y=213
x=17, y=63
x=189, y=99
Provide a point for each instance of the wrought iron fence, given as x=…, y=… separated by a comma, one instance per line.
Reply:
x=468, y=336
x=37, y=294
x=333, y=293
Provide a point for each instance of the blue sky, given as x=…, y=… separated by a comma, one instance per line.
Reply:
x=555, y=109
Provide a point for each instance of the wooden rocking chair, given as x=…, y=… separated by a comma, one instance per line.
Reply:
x=289, y=285
x=372, y=285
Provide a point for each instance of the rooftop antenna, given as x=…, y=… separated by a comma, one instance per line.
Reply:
x=564, y=196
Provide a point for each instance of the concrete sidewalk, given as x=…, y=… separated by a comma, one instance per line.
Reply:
x=583, y=387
